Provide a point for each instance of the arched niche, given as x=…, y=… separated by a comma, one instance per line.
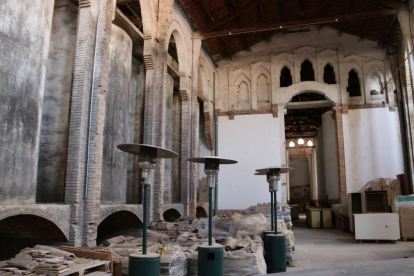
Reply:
x=27, y=230
x=262, y=93
x=242, y=93
x=201, y=212
x=119, y=223
x=171, y=215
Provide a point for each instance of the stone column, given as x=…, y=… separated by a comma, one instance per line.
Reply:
x=117, y=124
x=25, y=29
x=56, y=104
x=85, y=211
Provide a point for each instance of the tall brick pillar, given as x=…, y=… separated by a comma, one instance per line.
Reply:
x=85, y=212
x=341, y=151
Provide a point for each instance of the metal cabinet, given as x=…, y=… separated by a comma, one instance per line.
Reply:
x=379, y=226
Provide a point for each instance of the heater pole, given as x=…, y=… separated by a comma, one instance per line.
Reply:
x=144, y=230
x=210, y=217
x=271, y=210
x=275, y=212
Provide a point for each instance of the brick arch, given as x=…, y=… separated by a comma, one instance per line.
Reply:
x=331, y=92
x=172, y=212
x=15, y=212
x=110, y=211
x=177, y=32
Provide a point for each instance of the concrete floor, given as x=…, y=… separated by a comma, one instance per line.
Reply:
x=319, y=248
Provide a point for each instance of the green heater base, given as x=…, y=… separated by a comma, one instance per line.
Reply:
x=210, y=260
x=144, y=265
x=276, y=253
x=265, y=233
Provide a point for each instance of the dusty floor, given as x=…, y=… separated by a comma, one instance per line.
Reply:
x=317, y=248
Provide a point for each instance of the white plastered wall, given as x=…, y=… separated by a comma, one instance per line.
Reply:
x=372, y=146
x=254, y=141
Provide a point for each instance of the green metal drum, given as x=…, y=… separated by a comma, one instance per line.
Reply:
x=144, y=265
x=265, y=233
x=276, y=253
x=210, y=260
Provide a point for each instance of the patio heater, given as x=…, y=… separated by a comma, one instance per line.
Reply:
x=211, y=257
x=275, y=242
x=145, y=264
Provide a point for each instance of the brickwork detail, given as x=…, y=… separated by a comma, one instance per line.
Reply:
x=341, y=152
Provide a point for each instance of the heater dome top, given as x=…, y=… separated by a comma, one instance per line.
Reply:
x=137, y=149
x=220, y=160
x=264, y=171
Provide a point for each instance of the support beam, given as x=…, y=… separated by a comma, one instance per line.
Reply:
x=241, y=26
x=387, y=31
x=262, y=18
x=314, y=11
x=239, y=11
x=331, y=19
x=346, y=13
x=368, y=23
x=207, y=10
x=227, y=48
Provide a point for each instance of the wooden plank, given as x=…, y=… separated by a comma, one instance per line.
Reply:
x=308, y=22
x=87, y=253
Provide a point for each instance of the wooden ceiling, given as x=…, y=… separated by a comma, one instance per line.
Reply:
x=246, y=19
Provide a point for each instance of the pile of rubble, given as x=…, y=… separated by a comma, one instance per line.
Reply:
x=63, y=261
x=40, y=260
x=239, y=233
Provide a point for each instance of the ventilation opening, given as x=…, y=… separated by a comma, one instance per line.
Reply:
x=306, y=71
x=285, y=77
x=329, y=75
x=354, y=87
x=211, y=256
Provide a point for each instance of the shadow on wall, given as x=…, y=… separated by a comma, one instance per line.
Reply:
x=171, y=215
x=119, y=223
x=20, y=231
x=201, y=212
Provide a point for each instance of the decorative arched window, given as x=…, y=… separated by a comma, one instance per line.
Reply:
x=285, y=77
x=375, y=84
x=306, y=71
x=243, y=92
x=329, y=74
x=354, y=87
x=263, y=91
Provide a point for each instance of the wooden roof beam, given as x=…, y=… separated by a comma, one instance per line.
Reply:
x=387, y=31
x=308, y=22
x=346, y=13
x=241, y=26
x=262, y=18
x=368, y=23
x=207, y=10
x=227, y=48
x=239, y=11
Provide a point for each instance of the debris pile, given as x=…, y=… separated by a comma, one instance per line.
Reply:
x=40, y=260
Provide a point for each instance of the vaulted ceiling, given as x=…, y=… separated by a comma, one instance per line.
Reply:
x=230, y=26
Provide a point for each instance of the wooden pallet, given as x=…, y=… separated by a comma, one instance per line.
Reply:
x=90, y=267
x=407, y=239
x=376, y=241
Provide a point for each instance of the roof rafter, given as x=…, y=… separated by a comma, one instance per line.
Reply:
x=291, y=24
x=239, y=11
